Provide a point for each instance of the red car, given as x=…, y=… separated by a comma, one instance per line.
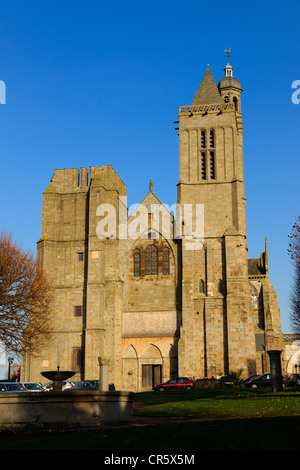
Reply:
x=179, y=383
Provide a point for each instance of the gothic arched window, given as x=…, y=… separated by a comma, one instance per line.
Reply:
x=151, y=260
x=166, y=261
x=201, y=287
x=137, y=262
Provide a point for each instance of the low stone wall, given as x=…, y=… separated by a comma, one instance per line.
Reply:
x=63, y=410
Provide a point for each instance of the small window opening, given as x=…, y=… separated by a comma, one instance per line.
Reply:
x=236, y=103
x=78, y=311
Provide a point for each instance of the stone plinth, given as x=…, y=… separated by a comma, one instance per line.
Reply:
x=63, y=410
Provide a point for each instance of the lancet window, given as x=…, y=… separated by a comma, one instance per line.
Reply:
x=207, y=167
x=151, y=260
x=137, y=262
x=166, y=261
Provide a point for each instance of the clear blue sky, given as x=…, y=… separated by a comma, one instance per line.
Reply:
x=100, y=82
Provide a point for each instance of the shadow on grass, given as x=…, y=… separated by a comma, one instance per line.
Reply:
x=236, y=434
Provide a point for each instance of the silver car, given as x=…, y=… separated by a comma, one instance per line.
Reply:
x=32, y=386
x=66, y=384
x=11, y=387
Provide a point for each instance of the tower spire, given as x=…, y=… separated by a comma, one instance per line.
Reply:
x=207, y=92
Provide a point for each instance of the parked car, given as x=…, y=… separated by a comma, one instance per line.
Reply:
x=32, y=386
x=86, y=385
x=252, y=377
x=66, y=384
x=295, y=379
x=226, y=381
x=11, y=387
x=264, y=381
x=178, y=383
x=286, y=380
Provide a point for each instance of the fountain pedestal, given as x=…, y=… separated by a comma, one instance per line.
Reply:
x=57, y=376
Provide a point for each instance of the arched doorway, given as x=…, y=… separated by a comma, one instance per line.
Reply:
x=151, y=365
x=130, y=369
x=293, y=364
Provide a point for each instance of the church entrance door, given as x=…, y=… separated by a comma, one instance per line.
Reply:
x=151, y=375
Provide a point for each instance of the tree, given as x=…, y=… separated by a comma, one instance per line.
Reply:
x=237, y=380
x=25, y=299
x=294, y=253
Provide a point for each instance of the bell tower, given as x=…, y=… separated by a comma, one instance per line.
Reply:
x=217, y=330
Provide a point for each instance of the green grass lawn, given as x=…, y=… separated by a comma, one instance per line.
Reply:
x=256, y=420
x=219, y=403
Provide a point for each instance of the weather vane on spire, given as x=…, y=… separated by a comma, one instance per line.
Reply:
x=227, y=52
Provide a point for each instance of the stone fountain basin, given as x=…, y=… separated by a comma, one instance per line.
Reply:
x=58, y=375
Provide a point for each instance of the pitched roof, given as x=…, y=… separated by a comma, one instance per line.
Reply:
x=207, y=92
x=150, y=199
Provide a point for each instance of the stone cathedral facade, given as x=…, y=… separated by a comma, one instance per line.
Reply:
x=160, y=293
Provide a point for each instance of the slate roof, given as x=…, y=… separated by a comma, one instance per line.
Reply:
x=207, y=92
x=255, y=267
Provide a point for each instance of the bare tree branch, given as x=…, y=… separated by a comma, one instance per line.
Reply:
x=294, y=253
x=25, y=299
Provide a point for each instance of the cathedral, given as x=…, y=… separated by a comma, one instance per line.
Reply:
x=162, y=291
